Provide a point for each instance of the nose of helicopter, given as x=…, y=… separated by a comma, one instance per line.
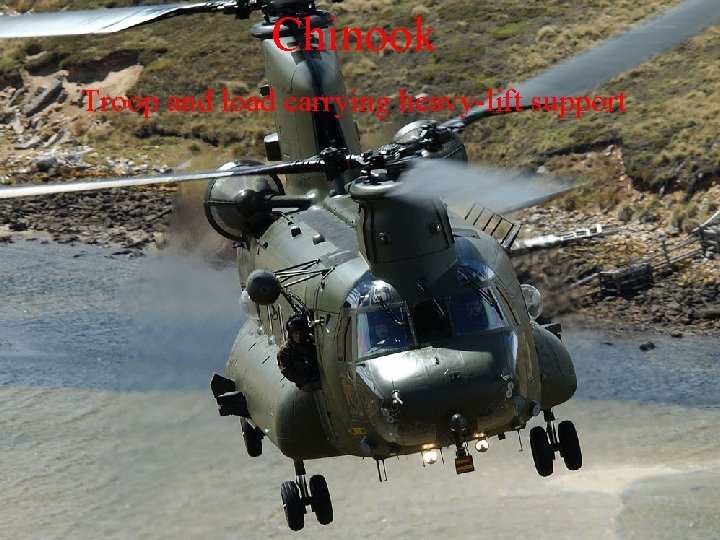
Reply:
x=415, y=393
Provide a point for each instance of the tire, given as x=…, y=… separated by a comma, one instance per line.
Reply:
x=320, y=499
x=252, y=437
x=542, y=452
x=292, y=505
x=570, y=445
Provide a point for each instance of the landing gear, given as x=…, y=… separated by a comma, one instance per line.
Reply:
x=252, y=437
x=297, y=495
x=545, y=442
x=293, y=506
x=569, y=445
x=542, y=452
x=320, y=499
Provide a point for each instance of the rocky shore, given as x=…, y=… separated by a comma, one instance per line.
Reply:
x=680, y=298
x=683, y=301
x=125, y=221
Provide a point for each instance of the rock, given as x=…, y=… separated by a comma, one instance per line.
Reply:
x=66, y=238
x=47, y=96
x=677, y=334
x=647, y=346
x=45, y=163
x=710, y=313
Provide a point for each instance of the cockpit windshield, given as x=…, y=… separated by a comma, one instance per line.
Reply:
x=383, y=330
x=475, y=311
x=384, y=323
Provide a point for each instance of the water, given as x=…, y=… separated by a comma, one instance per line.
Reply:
x=109, y=430
x=78, y=316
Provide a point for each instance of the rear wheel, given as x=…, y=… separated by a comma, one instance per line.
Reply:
x=320, y=499
x=570, y=445
x=542, y=452
x=252, y=437
x=293, y=506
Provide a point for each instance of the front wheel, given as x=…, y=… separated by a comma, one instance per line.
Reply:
x=292, y=505
x=542, y=452
x=320, y=499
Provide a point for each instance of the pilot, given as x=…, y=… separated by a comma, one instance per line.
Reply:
x=385, y=336
x=297, y=357
x=474, y=308
x=381, y=332
x=476, y=317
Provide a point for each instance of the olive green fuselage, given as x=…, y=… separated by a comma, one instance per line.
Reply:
x=493, y=377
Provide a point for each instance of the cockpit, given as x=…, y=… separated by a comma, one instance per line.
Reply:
x=381, y=322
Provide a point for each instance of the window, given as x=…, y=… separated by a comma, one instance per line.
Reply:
x=476, y=311
x=344, y=348
x=431, y=321
x=384, y=330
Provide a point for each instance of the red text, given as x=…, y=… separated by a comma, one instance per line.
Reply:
x=376, y=39
x=144, y=104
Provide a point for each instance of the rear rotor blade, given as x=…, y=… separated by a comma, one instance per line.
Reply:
x=502, y=190
x=98, y=21
x=614, y=56
x=34, y=190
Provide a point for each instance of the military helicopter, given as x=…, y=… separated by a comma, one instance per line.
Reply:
x=424, y=338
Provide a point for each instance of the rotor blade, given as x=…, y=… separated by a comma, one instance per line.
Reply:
x=614, y=56
x=98, y=21
x=502, y=190
x=34, y=190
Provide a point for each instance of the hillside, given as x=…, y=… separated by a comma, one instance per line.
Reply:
x=654, y=169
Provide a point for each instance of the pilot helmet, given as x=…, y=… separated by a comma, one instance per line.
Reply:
x=297, y=322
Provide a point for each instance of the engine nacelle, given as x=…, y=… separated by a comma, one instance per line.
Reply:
x=236, y=206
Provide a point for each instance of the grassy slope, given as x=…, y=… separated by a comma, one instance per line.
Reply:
x=669, y=129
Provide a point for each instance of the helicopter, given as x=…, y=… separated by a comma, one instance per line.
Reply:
x=423, y=336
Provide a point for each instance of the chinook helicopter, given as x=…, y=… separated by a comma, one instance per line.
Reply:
x=424, y=337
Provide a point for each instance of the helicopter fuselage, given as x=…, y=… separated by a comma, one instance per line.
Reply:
x=379, y=399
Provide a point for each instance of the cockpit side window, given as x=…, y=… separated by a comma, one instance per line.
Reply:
x=382, y=330
x=431, y=321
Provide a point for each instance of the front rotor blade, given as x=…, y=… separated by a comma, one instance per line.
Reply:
x=502, y=190
x=614, y=56
x=97, y=21
x=34, y=190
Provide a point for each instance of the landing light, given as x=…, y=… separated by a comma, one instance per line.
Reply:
x=430, y=456
x=482, y=445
